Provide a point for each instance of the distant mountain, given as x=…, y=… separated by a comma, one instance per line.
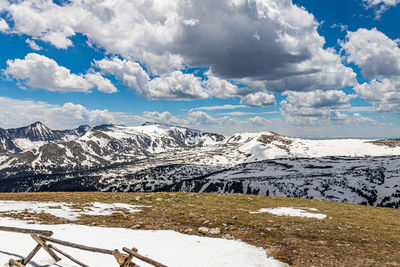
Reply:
x=33, y=136
x=161, y=157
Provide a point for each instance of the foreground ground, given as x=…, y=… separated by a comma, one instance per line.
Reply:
x=350, y=235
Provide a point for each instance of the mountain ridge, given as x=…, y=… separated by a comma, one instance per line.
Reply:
x=155, y=157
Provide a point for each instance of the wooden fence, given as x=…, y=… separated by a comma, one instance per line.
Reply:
x=44, y=240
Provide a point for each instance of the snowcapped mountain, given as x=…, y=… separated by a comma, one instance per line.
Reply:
x=160, y=157
x=34, y=136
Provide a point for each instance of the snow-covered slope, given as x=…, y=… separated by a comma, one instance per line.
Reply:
x=155, y=157
x=269, y=145
x=34, y=136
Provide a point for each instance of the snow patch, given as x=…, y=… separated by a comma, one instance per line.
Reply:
x=25, y=144
x=65, y=210
x=294, y=212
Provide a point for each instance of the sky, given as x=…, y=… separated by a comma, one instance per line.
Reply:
x=306, y=68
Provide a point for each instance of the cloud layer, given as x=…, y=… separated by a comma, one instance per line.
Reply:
x=17, y=113
x=273, y=43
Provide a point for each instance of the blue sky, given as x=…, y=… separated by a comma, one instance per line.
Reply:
x=301, y=68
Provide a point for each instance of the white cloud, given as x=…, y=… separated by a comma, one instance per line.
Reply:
x=3, y=4
x=166, y=36
x=222, y=107
x=240, y=113
x=103, y=85
x=319, y=99
x=32, y=44
x=382, y=2
x=130, y=73
x=380, y=5
x=173, y=86
x=260, y=121
x=164, y=117
x=341, y=26
x=3, y=25
x=45, y=20
x=37, y=71
x=377, y=55
x=17, y=113
x=200, y=118
x=259, y=99
x=358, y=119
x=379, y=59
x=384, y=95
x=219, y=87
x=319, y=107
x=176, y=86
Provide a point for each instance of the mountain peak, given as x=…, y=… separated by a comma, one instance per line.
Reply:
x=37, y=123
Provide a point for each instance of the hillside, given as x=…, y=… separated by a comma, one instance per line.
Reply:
x=349, y=235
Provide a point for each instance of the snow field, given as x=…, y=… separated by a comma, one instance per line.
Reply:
x=168, y=247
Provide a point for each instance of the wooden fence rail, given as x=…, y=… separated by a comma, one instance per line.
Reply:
x=43, y=240
x=25, y=231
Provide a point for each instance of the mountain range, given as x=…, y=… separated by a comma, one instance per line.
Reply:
x=161, y=157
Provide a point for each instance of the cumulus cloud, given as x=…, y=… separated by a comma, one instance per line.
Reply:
x=379, y=59
x=319, y=99
x=200, y=118
x=384, y=95
x=176, y=86
x=38, y=71
x=130, y=73
x=287, y=43
x=319, y=107
x=173, y=86
x=3, y=4
x=219, y=87
x=32, y=44
x=259, y=99
x=274, y=41
x=376, y=54
x=103, y=85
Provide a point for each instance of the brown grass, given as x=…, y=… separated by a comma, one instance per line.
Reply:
x=351, y=235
